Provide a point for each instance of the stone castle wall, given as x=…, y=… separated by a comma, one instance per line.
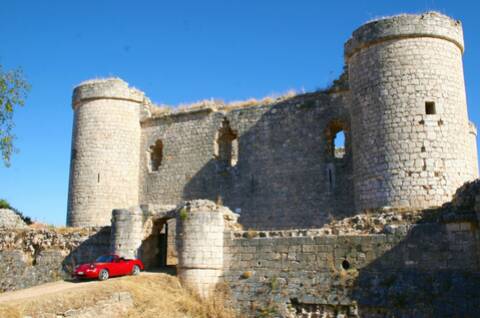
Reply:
x=427, y=271
x=30, y=257
x=399, y=263
x=280, y=179
x=401, y=105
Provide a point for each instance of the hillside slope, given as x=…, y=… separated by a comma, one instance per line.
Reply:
x=147, y=295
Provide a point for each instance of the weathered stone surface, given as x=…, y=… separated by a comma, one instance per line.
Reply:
x=10, y=219
x=30, y=257
x=357, y=275
x=105, y=151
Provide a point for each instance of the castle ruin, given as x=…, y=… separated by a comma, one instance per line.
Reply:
x=409, y=145
x=409, y=142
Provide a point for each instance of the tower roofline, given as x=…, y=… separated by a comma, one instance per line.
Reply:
x=430, y=24
x=107, y=88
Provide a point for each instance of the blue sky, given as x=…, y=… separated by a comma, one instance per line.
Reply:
x=175, y=51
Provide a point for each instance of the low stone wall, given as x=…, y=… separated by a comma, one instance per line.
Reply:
x=29, y=257
x=421, y=270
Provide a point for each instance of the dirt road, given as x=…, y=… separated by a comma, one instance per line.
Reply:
x=49, y=288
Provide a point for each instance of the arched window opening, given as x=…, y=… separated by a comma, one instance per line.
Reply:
x=156, y=155
x=226, y=150
x=336, y=134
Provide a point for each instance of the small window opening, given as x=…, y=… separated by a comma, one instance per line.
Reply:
x=339, y=145
x=226, y=150
x=98, y=178
x=156, y=155
x=336, y=139
x=423, y=149
x=345, y=264
x=430, y=108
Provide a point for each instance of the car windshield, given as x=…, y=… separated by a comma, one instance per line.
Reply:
x=105, y=259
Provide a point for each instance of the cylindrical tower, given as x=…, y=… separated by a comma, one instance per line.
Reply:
x=127, y=232
x=410, y=128
x=105, y=151
x=200, y=227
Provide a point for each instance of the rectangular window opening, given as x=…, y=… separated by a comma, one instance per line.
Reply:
x=430, y=108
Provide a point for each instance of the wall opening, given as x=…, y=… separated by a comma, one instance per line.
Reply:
x=345, y=264
x=158, y=248
x=430, y=108
x=331, y=176
x=337, y=141
x=226, y=145
x=156, y=155
x=339, y=145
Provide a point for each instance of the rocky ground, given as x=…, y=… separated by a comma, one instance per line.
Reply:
x=10, y=219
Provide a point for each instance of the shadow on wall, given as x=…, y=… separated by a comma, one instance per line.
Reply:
x=157, y=250
x=93, y=247
x=432, y=272
x=283, y=171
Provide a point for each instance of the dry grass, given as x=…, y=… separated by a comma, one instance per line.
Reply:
x=9, y=311
x=158, y=295
x=220, y=105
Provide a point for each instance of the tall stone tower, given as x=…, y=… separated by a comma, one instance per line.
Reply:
x=413, y=144
x=105, y=151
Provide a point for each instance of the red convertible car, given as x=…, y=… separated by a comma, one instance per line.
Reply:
x=108, y=266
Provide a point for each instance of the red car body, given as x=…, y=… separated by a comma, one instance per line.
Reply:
x=108, y=266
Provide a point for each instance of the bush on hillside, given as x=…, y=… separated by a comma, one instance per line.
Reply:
x=4, y=204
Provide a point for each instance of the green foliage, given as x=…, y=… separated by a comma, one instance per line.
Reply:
x=4, y=204
x=268, y=312
x=183, y=214
x=13, y=90
x=273, y=283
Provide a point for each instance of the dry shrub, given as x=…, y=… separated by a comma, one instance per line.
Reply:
x=154, y=295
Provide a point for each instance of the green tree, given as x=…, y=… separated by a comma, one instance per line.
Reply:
x=13, y=91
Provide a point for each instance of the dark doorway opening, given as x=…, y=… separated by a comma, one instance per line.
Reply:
x=158, y=249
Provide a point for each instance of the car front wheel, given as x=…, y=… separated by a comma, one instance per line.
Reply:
x=136, y=270
x=103, y=275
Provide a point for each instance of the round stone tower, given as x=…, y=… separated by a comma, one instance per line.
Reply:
x=199, y=242
x=412, y=143
x=105, y=151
